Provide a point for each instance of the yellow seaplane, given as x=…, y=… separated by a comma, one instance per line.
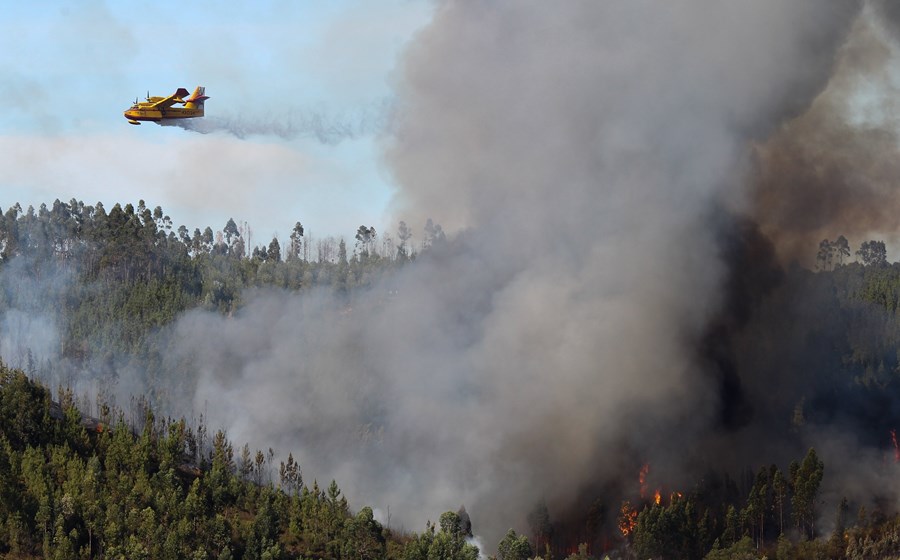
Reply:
x=158, y=109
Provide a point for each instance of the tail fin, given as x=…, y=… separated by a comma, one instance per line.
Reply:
x=195, y=101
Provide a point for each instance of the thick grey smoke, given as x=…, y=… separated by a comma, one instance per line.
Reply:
x=581, y=155
x=580, y=150
x=832, y=170
x=29, y=334
x=33, y=331
x=291, y=124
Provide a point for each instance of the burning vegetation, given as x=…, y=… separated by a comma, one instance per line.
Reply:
x=649, y=260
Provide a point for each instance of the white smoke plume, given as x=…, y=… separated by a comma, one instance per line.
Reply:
x=29, y=334
x=580, y=151
x=293, y=124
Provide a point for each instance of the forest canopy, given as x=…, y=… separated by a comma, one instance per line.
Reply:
x=87, y=476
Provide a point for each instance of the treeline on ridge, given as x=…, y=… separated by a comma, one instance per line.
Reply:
x=129, y=245
x=111, y=278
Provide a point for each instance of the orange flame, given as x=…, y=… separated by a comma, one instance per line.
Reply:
x=657, y=497
x=627, y=519
x=642, y=479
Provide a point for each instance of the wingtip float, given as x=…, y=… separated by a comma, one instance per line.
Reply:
x=157, y=109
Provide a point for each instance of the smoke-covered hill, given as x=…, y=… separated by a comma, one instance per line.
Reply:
x=634, y=196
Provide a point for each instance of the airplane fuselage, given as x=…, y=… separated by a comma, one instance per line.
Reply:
x=157, y=109
x=139, y=113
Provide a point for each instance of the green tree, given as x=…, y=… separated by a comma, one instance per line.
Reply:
x=838, y=541
x=207, y=240
x=434, y=234
x=24, y=410
x=670, y=531
x=231, y=232
x=342, y=279
x=219, y=479
x=732, y=526
x=513, y=547
x=825, y=256
x=841, y=249
x=741, y=550
x=363, y=537
x=262, y=542
x=806, y=477
x=273, y=253
x=779, y=495
x=404, y=234
x=758, y=506
x=290, y=476
x=418, y=546
x=447, y=544
x=365, y=237
x=296, y=246
x=873, y=253
x=336, y=511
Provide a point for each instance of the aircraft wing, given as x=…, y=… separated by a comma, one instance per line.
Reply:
x=177, y=97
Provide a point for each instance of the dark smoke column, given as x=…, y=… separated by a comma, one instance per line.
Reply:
x=586, y=146
x=578, y=153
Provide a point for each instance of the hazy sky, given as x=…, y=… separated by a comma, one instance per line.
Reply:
x=71, y=68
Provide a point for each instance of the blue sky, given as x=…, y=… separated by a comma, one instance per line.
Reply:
x=71, y=68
